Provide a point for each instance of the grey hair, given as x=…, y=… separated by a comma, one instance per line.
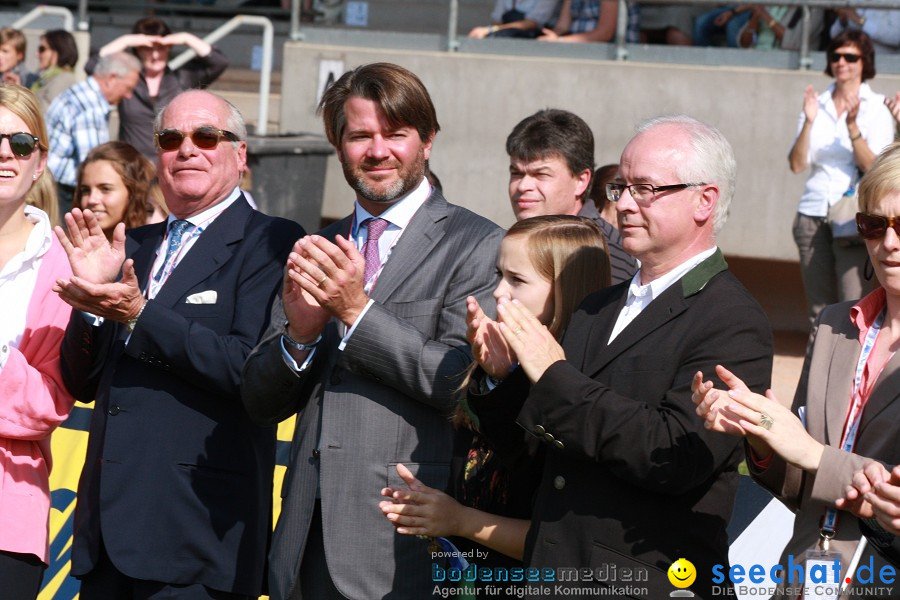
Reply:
x=120, y=64
x=712, y=161
x=234, y=121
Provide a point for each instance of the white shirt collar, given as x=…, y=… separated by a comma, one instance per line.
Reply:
x=663, y=282
x=207, y=215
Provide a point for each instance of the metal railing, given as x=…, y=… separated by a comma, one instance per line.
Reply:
x=40, y=11
x=265, y=76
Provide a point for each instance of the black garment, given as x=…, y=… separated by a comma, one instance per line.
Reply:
x=622, y=265
x=20, y=575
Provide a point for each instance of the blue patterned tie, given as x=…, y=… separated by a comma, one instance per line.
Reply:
x=176, y=233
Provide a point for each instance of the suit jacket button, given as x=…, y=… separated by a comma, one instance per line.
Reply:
x=316, y=453
x=113, y=410
x=559, y=482
x=539, y=430
x=559, y=444
x=549, y=437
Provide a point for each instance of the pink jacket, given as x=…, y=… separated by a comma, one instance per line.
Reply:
x=33, y=401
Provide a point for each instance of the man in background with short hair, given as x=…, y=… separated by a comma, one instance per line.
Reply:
x=551, y=164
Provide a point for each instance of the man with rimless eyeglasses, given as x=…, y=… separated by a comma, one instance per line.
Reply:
x=175, y=497
x=631, y=477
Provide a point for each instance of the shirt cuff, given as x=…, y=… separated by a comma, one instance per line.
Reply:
x=92, y=320
x=289, y=360
x=362, y=314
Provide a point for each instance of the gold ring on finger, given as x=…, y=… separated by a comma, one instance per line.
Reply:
x=765, y=421
x=323, y=280
x=518, y=331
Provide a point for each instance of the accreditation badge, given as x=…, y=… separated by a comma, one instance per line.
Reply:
x=822, y=579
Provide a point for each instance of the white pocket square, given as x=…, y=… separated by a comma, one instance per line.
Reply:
x=207, y=297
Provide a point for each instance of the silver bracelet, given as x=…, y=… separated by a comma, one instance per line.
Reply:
x=295, y=344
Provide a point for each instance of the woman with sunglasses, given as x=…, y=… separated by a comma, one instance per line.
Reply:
x=115, y=182
x=57, y=55
x=839, y=134
x=33, y=400
x=847, y=406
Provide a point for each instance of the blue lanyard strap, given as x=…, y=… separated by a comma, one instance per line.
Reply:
x=829, y=523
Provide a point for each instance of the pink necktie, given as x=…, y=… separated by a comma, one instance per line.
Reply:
x=370, y=249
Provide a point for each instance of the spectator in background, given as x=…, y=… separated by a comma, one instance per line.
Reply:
x=668, y=24
x=115, y=182
x=152, y=41
x=766, y=27
x=882, y=26
x=606, y=208
x=517, y=18
x=78, y=119
x=551, y=161
x=12, y=56
x=839, y=133
x=727, y=20
x=583, y=21
x=34, y=399
x=57, y=56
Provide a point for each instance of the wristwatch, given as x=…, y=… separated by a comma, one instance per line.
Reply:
x=294, y=343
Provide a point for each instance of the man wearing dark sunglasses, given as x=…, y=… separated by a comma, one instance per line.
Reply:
x=78, y=119
x=179, y=477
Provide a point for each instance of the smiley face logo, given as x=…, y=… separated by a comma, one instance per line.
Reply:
x=682, y=573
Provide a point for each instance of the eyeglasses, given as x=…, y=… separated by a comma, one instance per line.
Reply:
x=22, y=144
x=848, y=56
x=205, y=138
x=642, y=192
x=873, y=227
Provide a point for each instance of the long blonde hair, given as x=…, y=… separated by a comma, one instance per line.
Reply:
x=568, y=251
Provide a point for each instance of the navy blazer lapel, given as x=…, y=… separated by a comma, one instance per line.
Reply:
x=145, y=253
x=417, y=241
x=671, y=303
x=211, y=250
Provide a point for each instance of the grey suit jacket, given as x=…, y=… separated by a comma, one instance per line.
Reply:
x=383, y=400
x=824, y=389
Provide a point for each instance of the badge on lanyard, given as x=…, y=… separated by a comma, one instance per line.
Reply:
x=822, y=579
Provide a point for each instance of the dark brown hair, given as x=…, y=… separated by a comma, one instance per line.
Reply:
x=397, y=91
x=552, y=133
x=137, y=173
x=62, y=42
x=860, y=39
x=151, y=26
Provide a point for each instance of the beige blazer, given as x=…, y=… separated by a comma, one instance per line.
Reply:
x=825, y=387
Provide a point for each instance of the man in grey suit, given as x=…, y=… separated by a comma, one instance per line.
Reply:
x=368, y=345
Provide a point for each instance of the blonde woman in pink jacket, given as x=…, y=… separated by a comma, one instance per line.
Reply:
x=33, y=400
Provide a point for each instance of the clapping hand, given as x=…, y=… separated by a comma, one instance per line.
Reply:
x=529, y=339
x=489, y=347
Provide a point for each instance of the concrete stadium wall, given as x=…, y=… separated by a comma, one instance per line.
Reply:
x=479, y=98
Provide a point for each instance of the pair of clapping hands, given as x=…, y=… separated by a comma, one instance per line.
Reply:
x=769, y=426
x=516, y=337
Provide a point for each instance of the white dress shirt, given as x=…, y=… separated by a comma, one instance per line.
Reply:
x=640, y=296
x=17, y=281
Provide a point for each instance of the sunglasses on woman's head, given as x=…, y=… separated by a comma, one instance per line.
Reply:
x=205, y=138
x=22, y=144
x=873, y=227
